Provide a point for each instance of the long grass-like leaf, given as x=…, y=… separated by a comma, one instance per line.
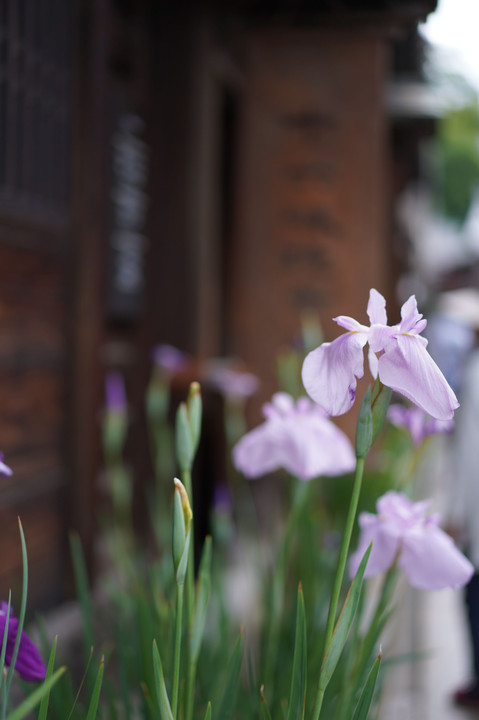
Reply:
x=21, y=616
x=161, y=692
x=95, y=696
x=343, y=625
x=298, y=681
x=83, y=592
x=35, y=697
x=82, y=683
x=42, y=713
x=232, y=680
x=208, y=712
x=264, y=705
x=364, y=703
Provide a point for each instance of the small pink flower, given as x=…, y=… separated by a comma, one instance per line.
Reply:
x=297, y=437
x=417, y=422
x=403, y=530
x=397, y=354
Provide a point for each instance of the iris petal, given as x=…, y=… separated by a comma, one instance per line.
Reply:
x=315, y=446
x=431, y=561
x=385, y=545
x=257, y=453
x=303, y=441
x=407, y=368
x=329, y=372
x=377, y=308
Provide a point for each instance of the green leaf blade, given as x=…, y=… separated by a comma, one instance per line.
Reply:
x=232, y=680
x=95, y=696
x=161, y=692
x=365, y=699
x=35, y=697
x=343, y=625
x=298, y=681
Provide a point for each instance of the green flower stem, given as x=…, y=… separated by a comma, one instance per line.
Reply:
x=177, y=656
x=343, y=555
x=299, y=500
x=190, y=597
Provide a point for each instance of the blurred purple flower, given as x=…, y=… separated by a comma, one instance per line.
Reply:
x=222, y=498
x=233, y=383
x=169, y=359
x=4, y=469
x=417, y=422
x=29, y=664
x=297, y=437
x=115, y=394
x=403, y=529
x=397, y=353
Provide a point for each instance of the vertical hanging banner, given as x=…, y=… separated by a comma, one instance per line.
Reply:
x=129, y=207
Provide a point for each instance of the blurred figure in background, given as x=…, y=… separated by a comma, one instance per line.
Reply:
x=460, y=310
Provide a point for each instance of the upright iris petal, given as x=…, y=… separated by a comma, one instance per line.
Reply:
x=297, y=437
x=29, y=664
x=397, y=354
x=403, y=530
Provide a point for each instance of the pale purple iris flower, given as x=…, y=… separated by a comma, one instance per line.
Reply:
x=397, y=354
x=233, y=383
x=29, y=665
x=417, y=422
x=403, y=530
x=4, y=469
x=115, y=394
x=169, y=359
x=298, y=437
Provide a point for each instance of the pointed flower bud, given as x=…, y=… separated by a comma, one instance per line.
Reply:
x=188, y=428
x=182, y=517
x=115, y=420
x=195, y=409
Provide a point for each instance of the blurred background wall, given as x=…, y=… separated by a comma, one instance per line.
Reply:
x=200, y=174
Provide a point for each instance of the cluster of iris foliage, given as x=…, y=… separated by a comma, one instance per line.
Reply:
x=161, y=641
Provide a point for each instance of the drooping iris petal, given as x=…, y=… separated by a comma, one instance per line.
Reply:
x=406, y=367
x=385, y=541
x=330, y=372
x=425, y=553
x=431, y=561
x=315, y=446
x=297, y=437
x=260, y=451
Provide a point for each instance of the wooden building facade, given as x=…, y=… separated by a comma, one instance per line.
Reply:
x=197, y=174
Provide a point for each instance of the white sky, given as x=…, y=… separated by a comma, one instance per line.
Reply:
x=454, y=29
